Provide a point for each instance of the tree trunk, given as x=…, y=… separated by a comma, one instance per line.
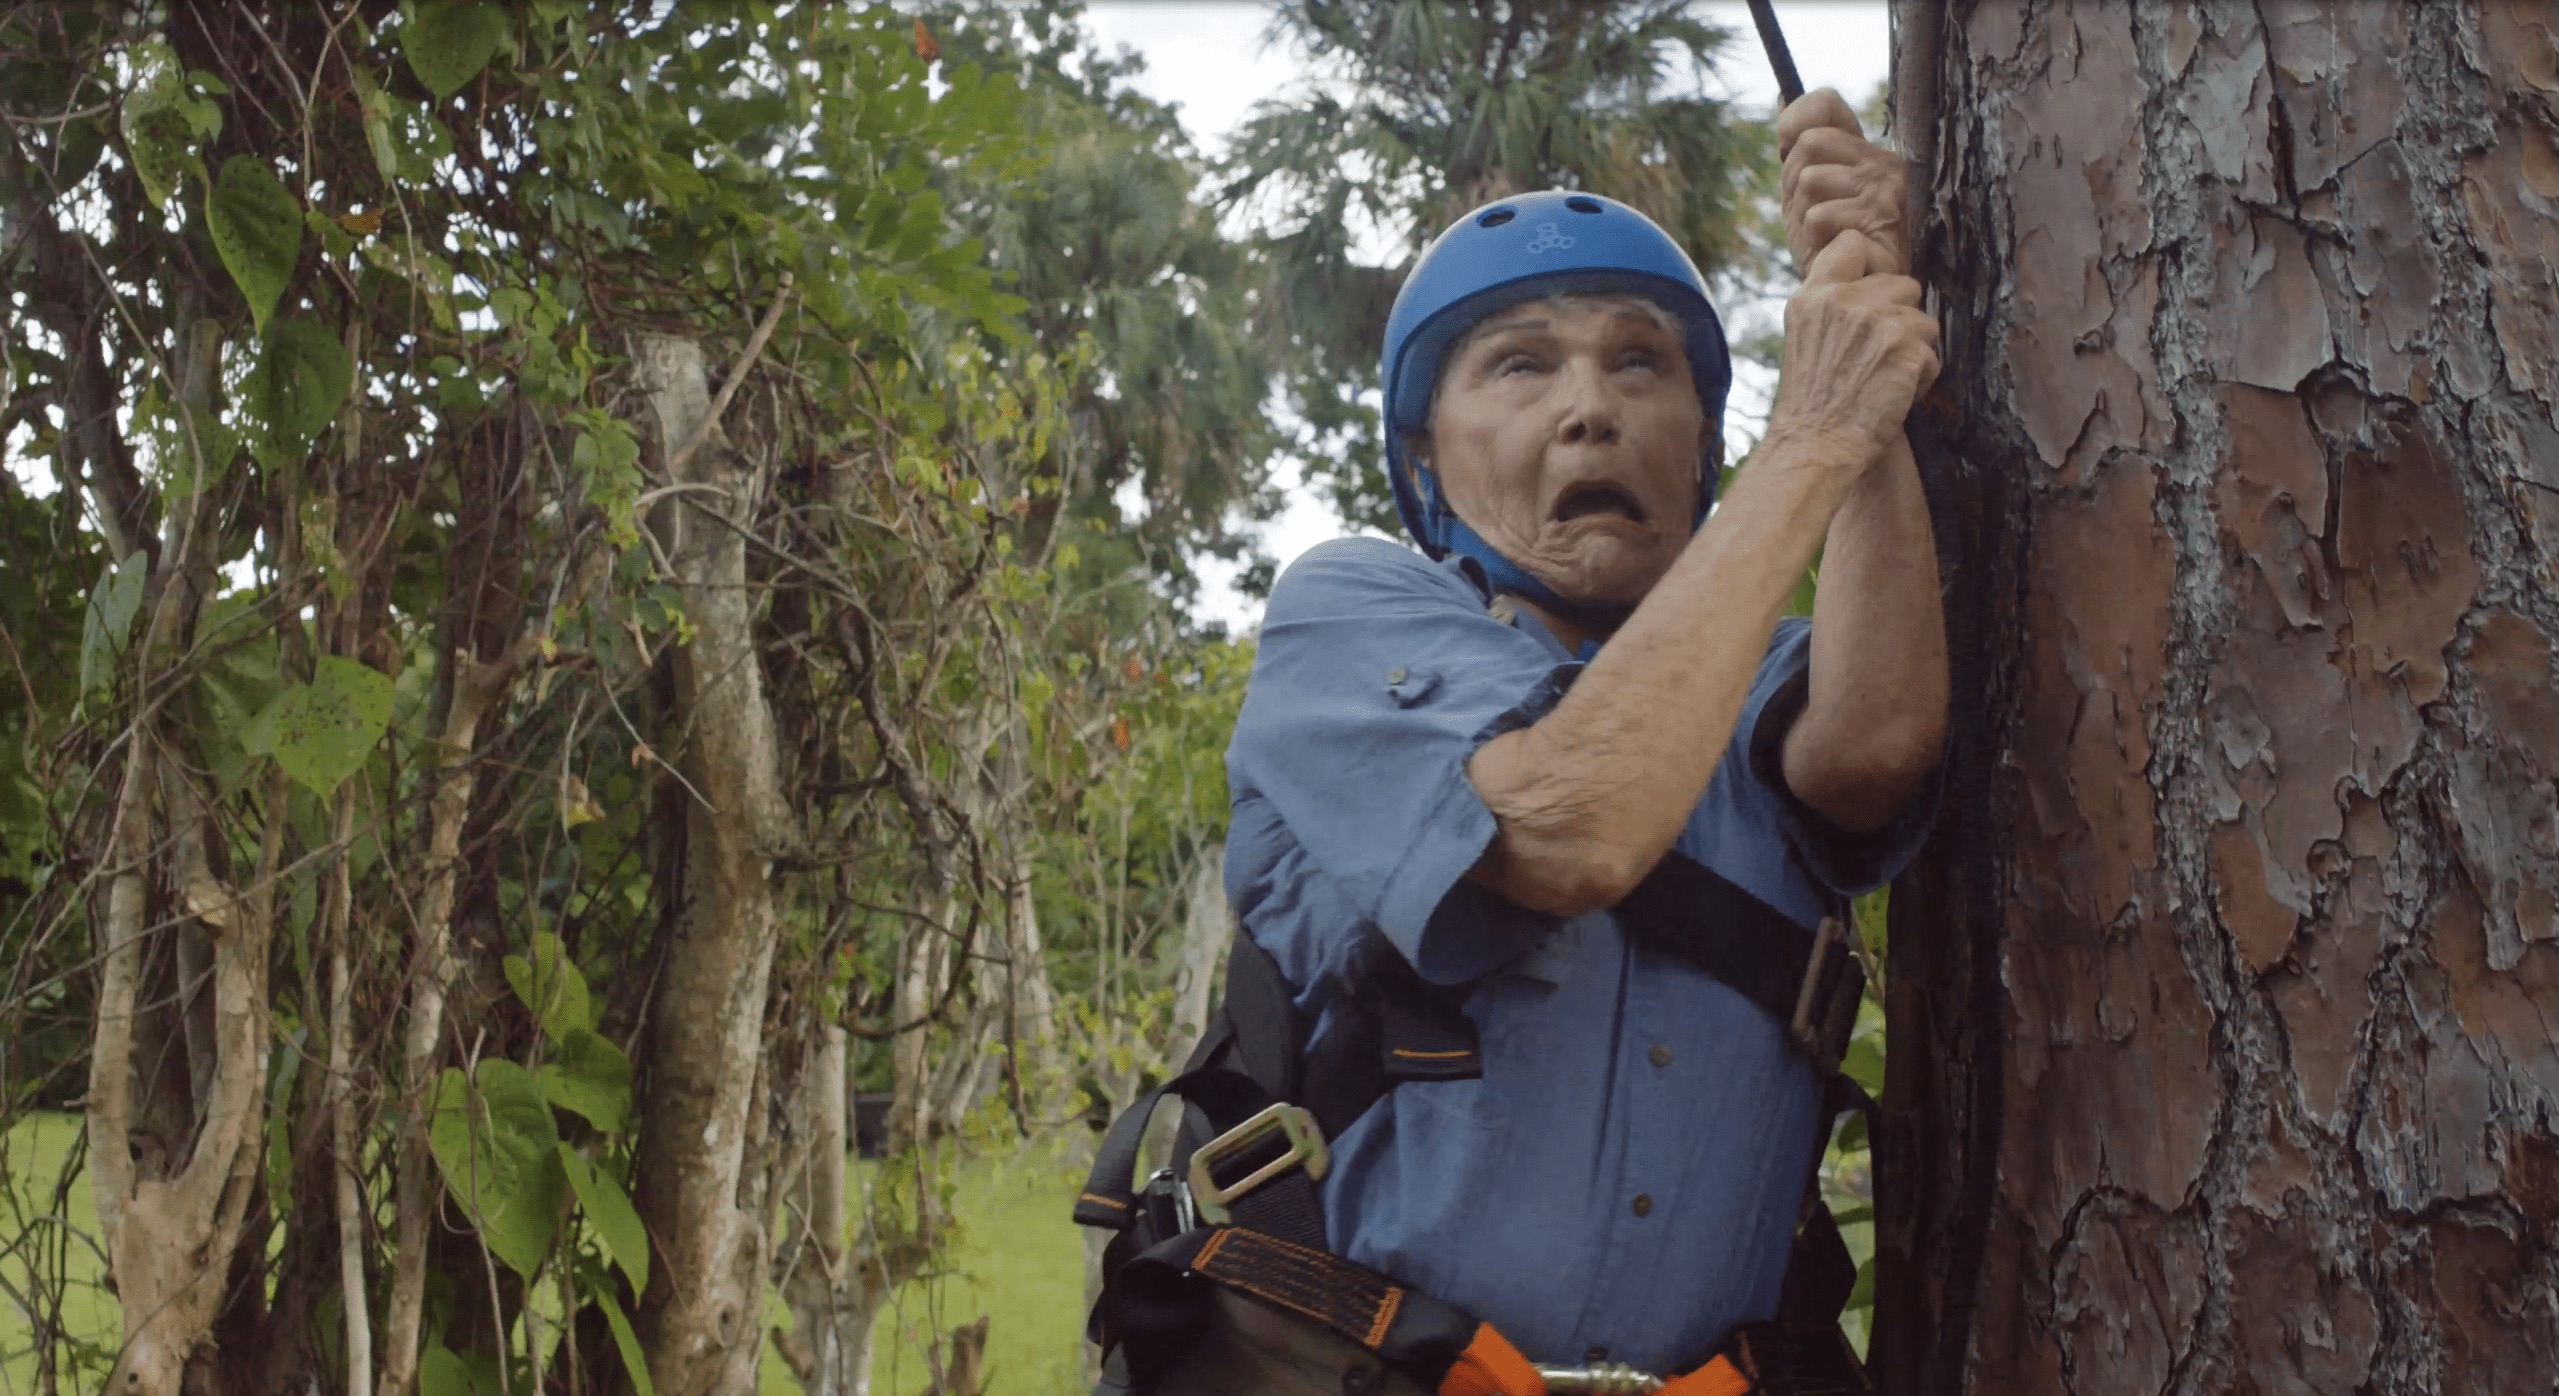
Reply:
x=819, y=1281
x=702, y=1324
x=2220, y=1050
x=174, y=1127
x=1208, y=926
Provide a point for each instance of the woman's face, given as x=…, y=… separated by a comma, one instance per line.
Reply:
x=1568, y=433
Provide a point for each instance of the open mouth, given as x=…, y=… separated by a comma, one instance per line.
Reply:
x=1598, y=497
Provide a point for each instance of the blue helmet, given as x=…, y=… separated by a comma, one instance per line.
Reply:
x=1556, y=242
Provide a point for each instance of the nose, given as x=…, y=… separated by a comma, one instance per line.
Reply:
x=1591, y=410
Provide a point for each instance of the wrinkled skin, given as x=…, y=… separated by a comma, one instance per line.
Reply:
x=1571, y=434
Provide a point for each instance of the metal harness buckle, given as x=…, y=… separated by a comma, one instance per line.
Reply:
x=1305, y=1149
x=1605, y=1379
x=1817, y=1017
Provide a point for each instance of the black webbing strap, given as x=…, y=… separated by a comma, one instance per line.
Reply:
x=1158, y=1305
x=1285, y=1206
x=1798, y=1359
x=1693, y=913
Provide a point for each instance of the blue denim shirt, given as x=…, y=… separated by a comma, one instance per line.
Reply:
x=1626, y=1174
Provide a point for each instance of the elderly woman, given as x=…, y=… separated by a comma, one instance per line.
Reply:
x=1485, y=753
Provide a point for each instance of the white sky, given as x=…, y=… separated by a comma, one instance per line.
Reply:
x=1208, y=59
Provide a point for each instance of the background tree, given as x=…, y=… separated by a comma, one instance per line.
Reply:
x=2221, y=1008
x=1109, y=241
x=555, y=606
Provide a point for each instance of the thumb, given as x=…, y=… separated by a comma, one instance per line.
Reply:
x=1850, y=256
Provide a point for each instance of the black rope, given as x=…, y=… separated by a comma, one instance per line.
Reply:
x=1790, y=84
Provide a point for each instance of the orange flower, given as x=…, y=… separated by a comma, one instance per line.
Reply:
x=927, y=47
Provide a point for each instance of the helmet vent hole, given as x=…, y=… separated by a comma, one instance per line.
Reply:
x=1495, y=218
x=1579, y=204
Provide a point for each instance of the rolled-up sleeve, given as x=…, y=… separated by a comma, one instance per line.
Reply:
x=1377, y=676
x=1846, y=863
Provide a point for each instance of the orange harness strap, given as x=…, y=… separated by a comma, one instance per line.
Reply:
x=1490, y=1366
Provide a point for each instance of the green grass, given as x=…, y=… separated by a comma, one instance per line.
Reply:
x=1015, y=1257
x=1018, y=1259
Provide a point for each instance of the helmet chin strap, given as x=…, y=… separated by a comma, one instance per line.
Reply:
x=1506, y=575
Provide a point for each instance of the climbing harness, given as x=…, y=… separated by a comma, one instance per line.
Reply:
x=1238, y=1208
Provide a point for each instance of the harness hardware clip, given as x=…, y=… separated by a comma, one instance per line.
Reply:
x=1305, y=1149
x=1606, y=1379
x=1812, y=1001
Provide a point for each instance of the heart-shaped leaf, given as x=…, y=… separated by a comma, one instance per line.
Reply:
x=321, y=731
x=447, y=45
x=163, y=121
x=303, y=376
x=499, y=1151
x=256, y=225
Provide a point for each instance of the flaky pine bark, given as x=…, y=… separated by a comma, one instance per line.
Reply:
x=702, y=1324
x=2242, y=935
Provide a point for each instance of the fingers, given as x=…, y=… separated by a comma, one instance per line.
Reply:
x=1843, y=261
x=1823, y=183
x=1821, y=146
x=1812, y=111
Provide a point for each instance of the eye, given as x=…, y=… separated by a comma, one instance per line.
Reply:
x=1650, y=361
x=1516, y=361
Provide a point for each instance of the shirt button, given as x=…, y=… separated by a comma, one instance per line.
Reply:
x=1643, y=1204
x=1397, y=674
x=1661, y=1054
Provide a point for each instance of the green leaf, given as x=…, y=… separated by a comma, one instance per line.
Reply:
x=1864, y=1063
x=633, y=1360
x=447, y=45
x=303, y=376
x=498, y=1149
x=163, y=121
x=441, y=1372
x=1862, y=1294
x=606, y=460
x=256, y=225
x=321, y=731
x=112, y=607
x=550, y=985
x=588, y=1075
x=609, y=1210
x=375, y=110
x=444, y=1372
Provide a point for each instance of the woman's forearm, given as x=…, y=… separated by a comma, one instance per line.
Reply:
x=1589, y=798
x=1875, y=717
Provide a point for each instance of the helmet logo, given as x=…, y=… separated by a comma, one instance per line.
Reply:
x=1547, y=238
